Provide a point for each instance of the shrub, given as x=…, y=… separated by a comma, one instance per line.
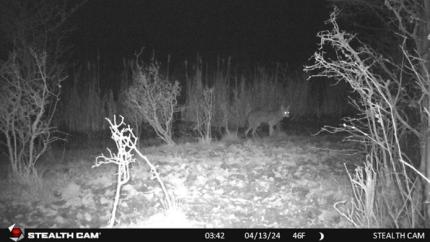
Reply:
x=153, y=98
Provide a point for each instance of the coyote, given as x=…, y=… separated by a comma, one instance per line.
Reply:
x=256, y=118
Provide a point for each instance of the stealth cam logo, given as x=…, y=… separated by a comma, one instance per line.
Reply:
x=16, y=233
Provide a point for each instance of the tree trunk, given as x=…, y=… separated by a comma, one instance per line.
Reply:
x=424, y=51
x=425, y=169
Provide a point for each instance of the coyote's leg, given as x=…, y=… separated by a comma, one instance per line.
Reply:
x=270, y=130
x=247, y=131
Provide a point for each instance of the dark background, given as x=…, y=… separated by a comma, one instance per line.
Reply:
x=247, y=30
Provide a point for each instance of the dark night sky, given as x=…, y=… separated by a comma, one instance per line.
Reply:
x=272, y=30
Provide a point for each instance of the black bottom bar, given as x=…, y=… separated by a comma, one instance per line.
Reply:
x=216, y=234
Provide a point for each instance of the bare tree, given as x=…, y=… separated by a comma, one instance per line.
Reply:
x=31, y=78
x=409, y=24
x=204, y=115
x=28, y=100
x=126, y=143
x=385, y=106
x=153, y=98
x=413, y=22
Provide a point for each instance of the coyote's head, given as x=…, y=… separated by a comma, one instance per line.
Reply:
x=285, y=111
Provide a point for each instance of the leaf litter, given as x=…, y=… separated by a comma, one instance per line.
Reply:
x=265, y=182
